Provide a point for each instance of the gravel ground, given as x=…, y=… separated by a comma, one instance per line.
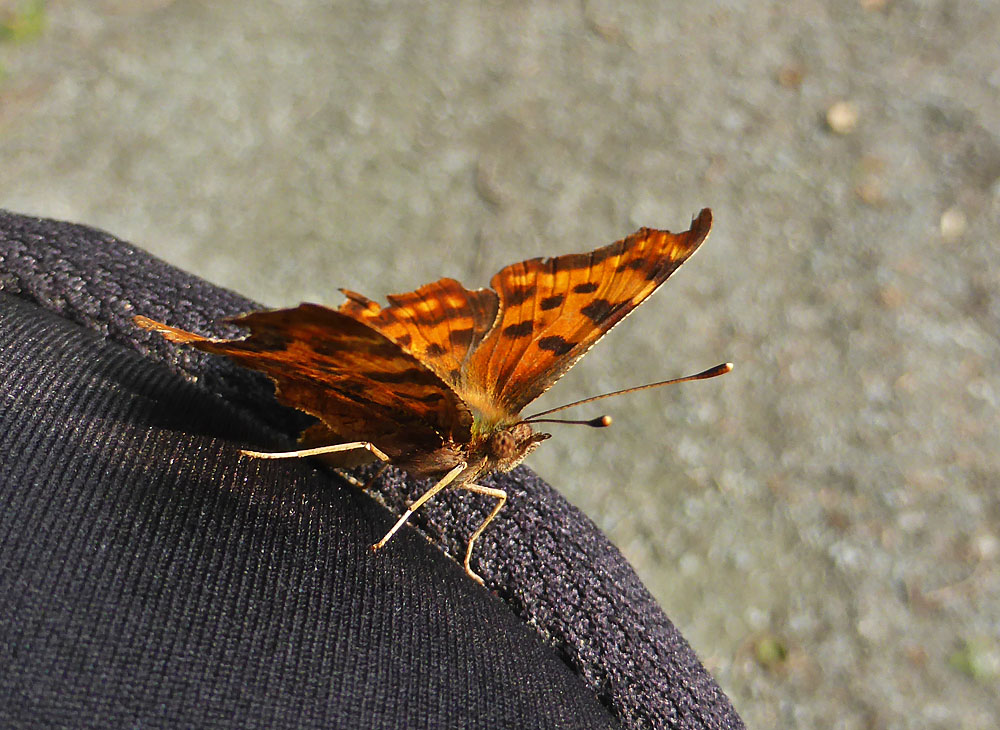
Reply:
x=824, y=523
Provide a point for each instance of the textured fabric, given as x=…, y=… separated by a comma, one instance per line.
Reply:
x=150, y=574
x=149, y=577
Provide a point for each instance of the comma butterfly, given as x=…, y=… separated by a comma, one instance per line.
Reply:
x=435, y=382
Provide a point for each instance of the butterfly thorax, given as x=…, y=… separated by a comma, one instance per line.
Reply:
x=488, y=416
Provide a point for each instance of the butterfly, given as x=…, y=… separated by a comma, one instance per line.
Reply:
x=435, y=382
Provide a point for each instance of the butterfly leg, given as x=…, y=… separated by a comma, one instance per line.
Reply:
x=351, y=446
x=374, y=477
x=501, y=497
x=445, y=481
x=364, y=486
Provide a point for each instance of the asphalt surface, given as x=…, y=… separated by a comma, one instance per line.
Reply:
x=823, y=523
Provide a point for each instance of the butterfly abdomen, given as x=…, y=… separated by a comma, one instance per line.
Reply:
x=432, y=463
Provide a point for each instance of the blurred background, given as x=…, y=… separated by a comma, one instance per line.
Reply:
x=824, y=523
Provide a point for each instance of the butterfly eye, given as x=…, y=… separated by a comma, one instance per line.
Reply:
x=503, y=445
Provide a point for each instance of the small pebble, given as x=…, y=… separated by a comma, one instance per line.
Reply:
x=790, y=76
x=871, y=190
x=842, y=117
x=953, y=223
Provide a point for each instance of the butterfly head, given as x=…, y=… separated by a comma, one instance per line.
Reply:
x=507, y=446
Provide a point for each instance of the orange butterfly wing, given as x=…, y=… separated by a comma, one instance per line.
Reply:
x=360, y=384
x=410, y=375
x=553, y=310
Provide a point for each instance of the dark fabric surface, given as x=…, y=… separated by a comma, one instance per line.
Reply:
x=148, y=574
x=149, y=577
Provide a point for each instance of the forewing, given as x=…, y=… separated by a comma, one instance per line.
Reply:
x=553, y=310
x=359, y=383
x=439, y=323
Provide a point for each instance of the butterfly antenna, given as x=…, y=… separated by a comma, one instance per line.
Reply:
x=599, y=422
x=602, y=421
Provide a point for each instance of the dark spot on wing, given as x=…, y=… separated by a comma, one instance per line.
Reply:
x=633, y=265
x=518, y=296
x=384, y=350
x=588, y=287
x=578, y=261
x=558, y=345
x=660, y=273
x=435, y=350
x=411, y=375
x=270, y=341
x=551, y=302
x=597, y=257
x=597, y=311
x=521, y=329
x=404, y=340
x=461, y=339
x=328, y=348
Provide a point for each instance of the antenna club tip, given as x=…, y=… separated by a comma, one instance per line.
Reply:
x=602, y=422
x=728, y=367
